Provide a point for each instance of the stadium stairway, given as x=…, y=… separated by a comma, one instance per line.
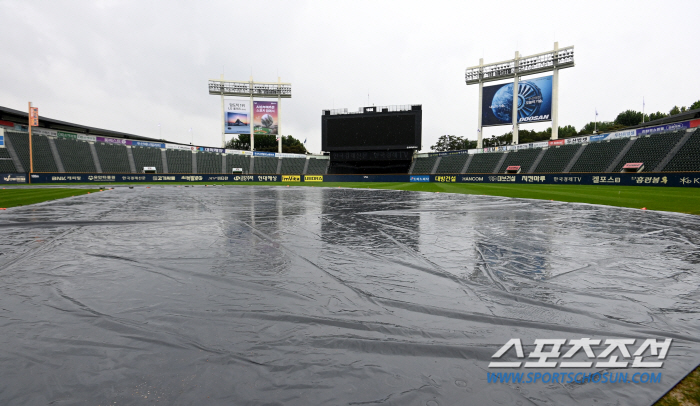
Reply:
x=650, y=150
x=555, y=158
x=660, y=167
x=6, y=164
x=11, y=152
x=41, y=151
x=688, y=156
x=451, y=163
x=164, y=158
x=622, y=153
x=573, y=161
x=484, y=163
x=194, y=163
x=500, y=163
x=95, y=160
x=597, y=156
x=113, y=158
x=56, y=156
x=306, y=166
x=424, y=165
x=466, y=164
x=130, y=157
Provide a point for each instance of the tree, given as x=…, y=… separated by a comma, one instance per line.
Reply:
x=264, y=142
x=449, y=143
x=602, y=126
x=629, y=118
x=675, y=110
x=657, y=115
x=695, y=105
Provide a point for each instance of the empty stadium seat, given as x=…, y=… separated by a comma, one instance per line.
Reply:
x=317, y=166
x=179, y=161
x=687, y=159
x=522, y=157
x=484, y=163
x=41, y=151
x=293, y=166
x=75, y=155
x=424, y=165
x=6, y=164
x=237, y=161
x=556, y=158
x=650, y=150
x=451, y=163
x=265, y=165
x=599, y=155
x=147, y=156
x=113, y=157
x=208, y=162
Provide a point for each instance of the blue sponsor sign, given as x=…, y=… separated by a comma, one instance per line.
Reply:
x=261, y=153
x=534, y=102
x=2, y=140
x=599, y=137
x=147, y=144
x=668, y=127
x=420, y=178
x=207, y=149
x=13, y=178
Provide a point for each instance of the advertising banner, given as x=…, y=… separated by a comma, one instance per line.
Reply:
x=207, y=149
x=262, y=153
x=176, y=146
x=662, y=128
x=34, y=116
x=13, y=178
x=113, y=140
x=238, y=152
x=577, y=140
x=694, y=123
x=534, y=102
x=148, y=144
x=236, y=116
x=265, y=117
x=44, y=131
x=622, y=134
x=555, y=142
x=2, y=141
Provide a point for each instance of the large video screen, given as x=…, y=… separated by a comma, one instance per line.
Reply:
x=372, y=131
x=534, y=102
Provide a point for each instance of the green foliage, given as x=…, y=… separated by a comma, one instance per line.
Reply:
x=449, y=143
x=527, y=136
x=675, y=110
x=629, y=118
x=695, y=105
x=264, y=142
x=602, y=126
x=657, y=115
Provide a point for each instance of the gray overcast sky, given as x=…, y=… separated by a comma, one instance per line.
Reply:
x=129, y=65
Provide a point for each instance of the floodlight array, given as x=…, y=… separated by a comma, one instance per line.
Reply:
x=528, y=65
x=247, y=89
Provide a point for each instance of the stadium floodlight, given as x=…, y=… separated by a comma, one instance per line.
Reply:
x=279, y=90
x=521, y=66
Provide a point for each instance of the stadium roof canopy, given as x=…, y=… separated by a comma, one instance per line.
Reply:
x=20, y=117
x=684, y=116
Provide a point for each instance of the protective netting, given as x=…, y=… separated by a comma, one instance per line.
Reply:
x=310, y=296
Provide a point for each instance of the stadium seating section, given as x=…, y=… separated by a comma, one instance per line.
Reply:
x=237, y=161
x=317, y=166
x=451, y=163
x=688, y=157
x=77, y=156
x=599, y=155
x=650, y=150
x=147, y=156
x=556, y=158
x=484, y=163
x=265, y=165
x=208, y=162
x=293, y=166
x=523, y=158
x=424, y=165
x=43, y=158
x=113, y=158
x=179, y=161
x=6, y=164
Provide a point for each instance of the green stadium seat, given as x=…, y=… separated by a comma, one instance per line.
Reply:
x=41, y=151
x=147, y=156
x=599, y=155
x=484, y=163
x=650, y=150
x=522, y=157
x=179, y=161
x=687, y=159
x=424, y=165
x=265, y=165
x=237, y=161
x=317, y=166
x=6, y=164
x=113, y=157
x=208, y=162
x=292, y=166
x=556, y=158
x=451, y=163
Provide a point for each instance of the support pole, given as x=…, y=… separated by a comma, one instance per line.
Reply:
x=252, y=117
x=279, y=115
x=555, y=94
x=223, y=115
x=31, y=155
x=480, y=132
x=515, y=98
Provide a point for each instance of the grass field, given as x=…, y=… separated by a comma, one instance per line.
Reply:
x=20, y=197
x=675, y=199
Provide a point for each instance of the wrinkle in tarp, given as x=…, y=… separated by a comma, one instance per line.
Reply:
x=314, y=296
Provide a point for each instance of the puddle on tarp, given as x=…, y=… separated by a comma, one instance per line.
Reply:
x=310, y=296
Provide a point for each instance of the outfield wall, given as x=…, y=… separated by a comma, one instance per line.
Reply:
x=689, y=179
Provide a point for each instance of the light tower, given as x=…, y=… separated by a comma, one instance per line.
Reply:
x=251, y=89
x=515, y=68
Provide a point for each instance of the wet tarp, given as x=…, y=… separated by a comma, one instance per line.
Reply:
x=320, y=296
